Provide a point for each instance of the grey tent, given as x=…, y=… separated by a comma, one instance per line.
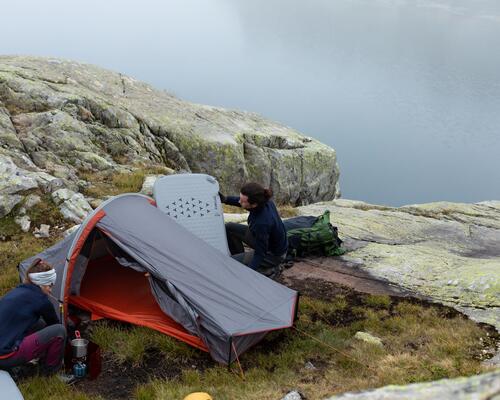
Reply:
x=129, y=261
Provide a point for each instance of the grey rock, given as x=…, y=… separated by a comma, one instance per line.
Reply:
x=94, y=203
x=8, y=202
x=368, y=338
x=42, y=232
x=24, y=222
x=31, y=200
x=69, y=231
x=294, y=395
x=147, y=185
x=485, y=386
x=61, y=195
x=51, y=185
x=73, y=206
x=14, y=179
x=310, y=366
x=67, y=117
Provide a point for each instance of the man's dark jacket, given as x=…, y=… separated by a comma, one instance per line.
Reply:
x=267, y=229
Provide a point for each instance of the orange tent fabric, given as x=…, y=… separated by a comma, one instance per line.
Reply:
x=112, y=291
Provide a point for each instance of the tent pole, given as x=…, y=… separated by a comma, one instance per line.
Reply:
x=296, y=308
x=229, y=354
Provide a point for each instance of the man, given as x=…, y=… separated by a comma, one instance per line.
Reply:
x=265, y=232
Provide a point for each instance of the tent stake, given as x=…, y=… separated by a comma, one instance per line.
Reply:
x=238, y=361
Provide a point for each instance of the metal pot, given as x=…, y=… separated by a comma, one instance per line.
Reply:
x=79, y=346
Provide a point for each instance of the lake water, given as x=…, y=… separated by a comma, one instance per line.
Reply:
x=406, y=91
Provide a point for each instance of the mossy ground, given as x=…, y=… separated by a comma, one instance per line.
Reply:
x=319, y=357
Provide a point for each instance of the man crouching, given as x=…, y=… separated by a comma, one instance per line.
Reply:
x=265, y=232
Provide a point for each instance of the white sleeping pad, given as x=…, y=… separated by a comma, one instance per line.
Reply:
x=8, y=388
x=193, y=201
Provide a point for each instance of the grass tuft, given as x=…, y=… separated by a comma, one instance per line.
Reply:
x=41, y=388
x=111, y=183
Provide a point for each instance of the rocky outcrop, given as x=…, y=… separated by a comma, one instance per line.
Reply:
x=486, y=386
x=447, y=252
x=63, y=117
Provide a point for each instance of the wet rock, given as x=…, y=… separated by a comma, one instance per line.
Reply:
x=42, y=231
x=486, y=386
x=366, y=337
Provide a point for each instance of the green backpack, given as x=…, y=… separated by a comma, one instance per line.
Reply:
x=309, y=235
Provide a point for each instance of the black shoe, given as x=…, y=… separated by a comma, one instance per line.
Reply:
x=270, y=272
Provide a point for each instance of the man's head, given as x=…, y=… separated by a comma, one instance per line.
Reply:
x=253, y=195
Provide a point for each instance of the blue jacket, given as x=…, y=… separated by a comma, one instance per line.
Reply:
x=267, y=229
x=20, y=309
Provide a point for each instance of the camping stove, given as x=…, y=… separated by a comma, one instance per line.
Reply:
x=79, y=360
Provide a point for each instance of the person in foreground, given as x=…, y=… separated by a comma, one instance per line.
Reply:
x=29, y=326
x=265, y=232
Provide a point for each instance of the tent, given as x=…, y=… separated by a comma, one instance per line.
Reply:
x=131, y=262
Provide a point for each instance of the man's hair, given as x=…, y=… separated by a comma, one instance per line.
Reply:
x=256, y=193
x=38, y=265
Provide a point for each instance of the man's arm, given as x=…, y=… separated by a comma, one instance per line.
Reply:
x=232, y=201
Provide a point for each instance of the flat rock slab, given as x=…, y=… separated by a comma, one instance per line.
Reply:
x=446, y=252
x=337, y=270
x=486, y=386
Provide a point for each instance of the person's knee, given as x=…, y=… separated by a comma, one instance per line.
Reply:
x=61, y=331
x=52, y=331
x=231, y=226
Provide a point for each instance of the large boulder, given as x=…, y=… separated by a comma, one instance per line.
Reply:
x=65, y=117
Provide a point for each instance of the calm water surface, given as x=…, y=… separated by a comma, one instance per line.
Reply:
x=406, y=91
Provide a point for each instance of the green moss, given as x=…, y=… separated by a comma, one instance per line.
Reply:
x=377, y=301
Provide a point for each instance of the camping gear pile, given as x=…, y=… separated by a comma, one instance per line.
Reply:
x=312, y=236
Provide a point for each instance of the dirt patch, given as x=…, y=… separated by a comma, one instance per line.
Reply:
x=341, y=272
x=119, y=380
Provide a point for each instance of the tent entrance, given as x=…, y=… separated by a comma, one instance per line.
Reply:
x=109, y=290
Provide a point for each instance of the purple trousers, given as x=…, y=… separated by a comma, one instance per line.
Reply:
x=47, y=345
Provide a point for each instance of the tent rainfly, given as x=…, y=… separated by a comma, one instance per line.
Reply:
x=131, y=262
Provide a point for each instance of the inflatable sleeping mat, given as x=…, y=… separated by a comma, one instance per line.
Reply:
x=193, y=201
